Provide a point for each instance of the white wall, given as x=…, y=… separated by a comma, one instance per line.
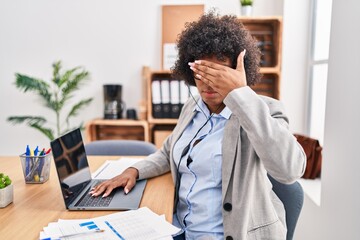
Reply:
x=296, y=20
x=339, y=214
x=112, y=39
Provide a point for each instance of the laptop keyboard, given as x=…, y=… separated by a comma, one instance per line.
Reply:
x=89, y=201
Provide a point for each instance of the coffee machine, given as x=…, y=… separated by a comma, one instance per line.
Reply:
x=113, y=104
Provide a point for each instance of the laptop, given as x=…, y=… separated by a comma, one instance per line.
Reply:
x=75, y=178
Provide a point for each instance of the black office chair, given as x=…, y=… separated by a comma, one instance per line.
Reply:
x=292, y=196
x=120, y=148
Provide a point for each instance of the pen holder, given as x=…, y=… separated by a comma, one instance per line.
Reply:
x=36, y=169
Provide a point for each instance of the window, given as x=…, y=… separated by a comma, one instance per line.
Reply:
x=320, y=39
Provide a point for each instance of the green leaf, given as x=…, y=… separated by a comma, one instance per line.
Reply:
x=26, y=119
x=56, y=69
x=34, y=122
x=7, y=181
x=67, y=75
x=27, y=83
x=75, y=109
x=73, y=84
x=70, y=86
x=246, y=2
x=46, y=131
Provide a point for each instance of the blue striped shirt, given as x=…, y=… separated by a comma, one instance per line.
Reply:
x=198, y=211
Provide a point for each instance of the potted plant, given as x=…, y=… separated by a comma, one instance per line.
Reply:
x=56, y=96
x=6, y=190
x=246, y=7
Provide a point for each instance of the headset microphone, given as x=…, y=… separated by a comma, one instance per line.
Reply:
x=187, y=148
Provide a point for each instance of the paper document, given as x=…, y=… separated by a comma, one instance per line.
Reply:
x=112, y=168
x=130, y=225
x=170, y=54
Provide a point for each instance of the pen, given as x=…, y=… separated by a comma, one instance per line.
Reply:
x=41, y=159
x=27, y=160
x=32, y=160
x=36, y=151
x=36, y=176
x=29, y=175
x=82, y=233
x=48, y=151
x=42, y=152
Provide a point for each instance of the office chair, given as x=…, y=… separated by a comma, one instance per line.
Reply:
x=292, y=196
x=120, y=148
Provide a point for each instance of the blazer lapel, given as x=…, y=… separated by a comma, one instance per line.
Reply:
x=230, y=150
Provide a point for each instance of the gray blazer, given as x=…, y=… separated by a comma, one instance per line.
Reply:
x=256, y=142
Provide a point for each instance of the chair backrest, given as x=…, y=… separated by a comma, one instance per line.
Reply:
x=120, y=148
x=292, y=196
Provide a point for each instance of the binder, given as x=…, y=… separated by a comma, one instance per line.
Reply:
x=156, y=99
x=175, y=98
x=184, y=93
x=165, y=98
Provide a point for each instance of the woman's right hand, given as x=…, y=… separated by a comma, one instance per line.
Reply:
x=127, y=179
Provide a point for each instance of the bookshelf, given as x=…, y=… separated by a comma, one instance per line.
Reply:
x=268, y=32
x=159, y=128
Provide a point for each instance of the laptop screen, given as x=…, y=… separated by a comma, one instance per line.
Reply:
x=71, y=164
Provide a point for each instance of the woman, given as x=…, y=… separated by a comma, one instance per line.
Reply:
x=225, y=141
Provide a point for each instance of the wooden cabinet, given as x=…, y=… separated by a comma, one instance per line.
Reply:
x=159, y=128
x=102, y=129
x=268, y=33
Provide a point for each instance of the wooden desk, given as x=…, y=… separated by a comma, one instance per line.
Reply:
x=35, y=205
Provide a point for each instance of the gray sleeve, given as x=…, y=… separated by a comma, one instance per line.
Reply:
x=159, y=162
x=155, y=164
x=266, y=126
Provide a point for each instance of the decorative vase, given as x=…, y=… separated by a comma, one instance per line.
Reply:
x=246, y=10
x=6, y=196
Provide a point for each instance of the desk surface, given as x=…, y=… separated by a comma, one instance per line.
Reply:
x=35, y=205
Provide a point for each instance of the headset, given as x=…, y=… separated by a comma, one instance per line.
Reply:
x=187, y=148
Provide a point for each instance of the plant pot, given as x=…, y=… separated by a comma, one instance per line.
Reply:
x=246, y=10
x=6, y=196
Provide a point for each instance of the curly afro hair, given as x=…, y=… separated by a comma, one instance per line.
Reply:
x=219, y=36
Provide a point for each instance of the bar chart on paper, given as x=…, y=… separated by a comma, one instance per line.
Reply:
x=134, y=225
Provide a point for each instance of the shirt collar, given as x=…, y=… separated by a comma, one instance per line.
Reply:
x=225, y=113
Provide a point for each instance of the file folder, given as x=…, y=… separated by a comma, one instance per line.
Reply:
x=184, y=93
x=175, y=98
x=165, y=98
x=156, y=99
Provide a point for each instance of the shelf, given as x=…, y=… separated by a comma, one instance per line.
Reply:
x=162, y=121
x=268, y=32
x=312, y=188
x=268, y=86
x=159, y=132
x=273, y=70
x=103, y=129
